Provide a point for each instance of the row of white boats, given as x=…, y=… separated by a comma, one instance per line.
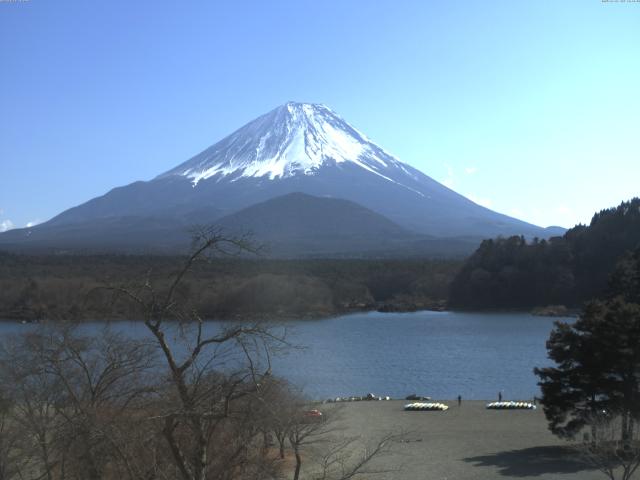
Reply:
x=433, y=406
x=367, y=397
x=511, y=405
x=426, y=406
x=437, y=406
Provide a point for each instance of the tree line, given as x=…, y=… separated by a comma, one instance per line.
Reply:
x=66, y=286
x=568, y=270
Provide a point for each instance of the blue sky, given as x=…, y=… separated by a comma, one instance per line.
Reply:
x=530, y=108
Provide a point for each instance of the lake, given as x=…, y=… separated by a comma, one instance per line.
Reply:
x=440, y=354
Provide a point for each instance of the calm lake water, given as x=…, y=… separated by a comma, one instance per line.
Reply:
x=440, y=354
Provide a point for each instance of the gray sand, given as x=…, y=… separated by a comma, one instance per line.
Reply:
x=467, y=442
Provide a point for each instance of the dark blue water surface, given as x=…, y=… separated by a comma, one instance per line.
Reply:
x=440, y=354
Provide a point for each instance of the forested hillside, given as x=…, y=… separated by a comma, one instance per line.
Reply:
x=514, y=273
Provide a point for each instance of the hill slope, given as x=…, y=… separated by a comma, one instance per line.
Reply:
x=298, y=224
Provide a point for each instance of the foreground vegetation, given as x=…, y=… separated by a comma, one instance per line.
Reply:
x=594, y=387
x=182, y=403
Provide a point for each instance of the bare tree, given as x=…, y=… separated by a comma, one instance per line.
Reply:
x=77, y=400
x=349, y=458
x=611, y=447
x=12, y=458
x=211, y=372
x=277, y=410
x=35, y=398
x=106, y=382
x=192, y=401
x=319, y=437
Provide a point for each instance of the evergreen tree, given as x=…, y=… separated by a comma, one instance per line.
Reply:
x=597, y=360
x=568, y=270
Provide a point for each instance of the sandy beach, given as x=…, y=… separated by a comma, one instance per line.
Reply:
x=466, y=442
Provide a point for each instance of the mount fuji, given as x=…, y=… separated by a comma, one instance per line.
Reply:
x=295, y=148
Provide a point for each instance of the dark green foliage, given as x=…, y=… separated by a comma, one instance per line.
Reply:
x=511, y=273
x=514, y=273
x=597, y=366
x=625, y=279
x=597, y=359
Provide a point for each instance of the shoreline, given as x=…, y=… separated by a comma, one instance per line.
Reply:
x=572, y=313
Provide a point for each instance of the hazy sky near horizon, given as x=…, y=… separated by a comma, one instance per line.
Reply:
x=529, y=108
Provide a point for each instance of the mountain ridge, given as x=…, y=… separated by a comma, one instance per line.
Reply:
x=294, y=225
x=296, y=147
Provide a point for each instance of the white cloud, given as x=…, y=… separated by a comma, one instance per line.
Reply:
x=485, y=202
x=449, y=181
x=516, y=212
x=563, y=210
x=470, y=170
x=33, y=223
x=6, y=225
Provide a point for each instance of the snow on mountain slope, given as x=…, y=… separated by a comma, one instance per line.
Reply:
x=294, y=139
x=297, y=147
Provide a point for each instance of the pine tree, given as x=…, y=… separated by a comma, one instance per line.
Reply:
x=597, y=358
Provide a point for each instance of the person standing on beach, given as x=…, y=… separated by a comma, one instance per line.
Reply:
x=459, y=400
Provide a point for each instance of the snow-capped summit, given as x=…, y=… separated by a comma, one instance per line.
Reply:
x=293, y=139
x=295, y=148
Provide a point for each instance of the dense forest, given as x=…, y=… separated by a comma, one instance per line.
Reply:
x=502, y=273
x=70, y=286
x=514, y=273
